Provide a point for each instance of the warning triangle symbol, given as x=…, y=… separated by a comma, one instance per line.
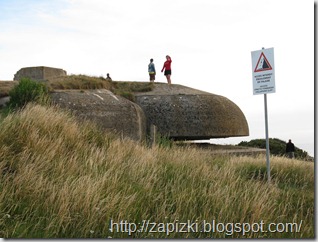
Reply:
x=262, y=64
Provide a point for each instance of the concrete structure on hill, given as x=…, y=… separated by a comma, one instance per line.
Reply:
x=178, y=112
x=183, y=113
x=39, y=73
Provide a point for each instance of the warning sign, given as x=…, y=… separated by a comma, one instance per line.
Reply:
x=262, y=64
x=263, y=71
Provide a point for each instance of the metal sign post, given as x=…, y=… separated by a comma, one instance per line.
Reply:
x=267, y=140
x=263, y=83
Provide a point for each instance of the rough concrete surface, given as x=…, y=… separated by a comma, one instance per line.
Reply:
x=110, y=112
x=184, y=113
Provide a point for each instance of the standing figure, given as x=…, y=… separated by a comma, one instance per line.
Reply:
x=108, y=77
x=167, y=68
x=290, y=150
x=152, y=71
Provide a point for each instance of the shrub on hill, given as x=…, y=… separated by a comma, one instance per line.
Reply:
x=27, y=91
x=277, y=147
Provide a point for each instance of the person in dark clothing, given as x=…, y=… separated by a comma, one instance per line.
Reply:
x=290, y=150
x=108, y=77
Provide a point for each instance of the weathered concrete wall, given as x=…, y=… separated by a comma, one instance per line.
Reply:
x=39, y=73
x=110, y=112
x=185, y=113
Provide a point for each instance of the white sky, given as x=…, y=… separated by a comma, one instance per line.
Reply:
x=209, y=41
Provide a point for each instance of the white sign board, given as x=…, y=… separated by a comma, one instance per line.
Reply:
x=263, y=71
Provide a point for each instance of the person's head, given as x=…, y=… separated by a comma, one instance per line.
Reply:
x=151, y=60
x=107, y=74
x=289, y=141
x=168, y=57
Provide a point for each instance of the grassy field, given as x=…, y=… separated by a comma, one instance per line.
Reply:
x=64, y=179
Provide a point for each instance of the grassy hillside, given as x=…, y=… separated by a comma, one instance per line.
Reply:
x=63, y=179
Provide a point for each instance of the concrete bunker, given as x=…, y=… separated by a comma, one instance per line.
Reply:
x=183, y=113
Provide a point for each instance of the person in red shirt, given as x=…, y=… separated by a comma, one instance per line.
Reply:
x=167, y=68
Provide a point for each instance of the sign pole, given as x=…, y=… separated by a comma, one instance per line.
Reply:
x=267, y=140
x=263, y=83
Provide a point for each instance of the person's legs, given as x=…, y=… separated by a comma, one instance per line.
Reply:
x=291, y=155
x=152, y=77
x=168, y=79
x=168, y=74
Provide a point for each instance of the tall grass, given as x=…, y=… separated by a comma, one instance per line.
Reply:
x=63, y=179
x=78, y=82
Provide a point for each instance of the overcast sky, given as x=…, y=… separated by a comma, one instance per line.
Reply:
x=209, y=41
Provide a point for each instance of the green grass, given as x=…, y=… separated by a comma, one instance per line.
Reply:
x=65, y=179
